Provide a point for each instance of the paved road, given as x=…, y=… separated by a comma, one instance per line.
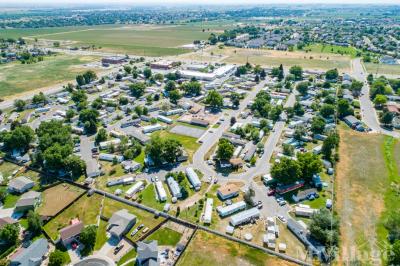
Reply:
x=368, y=113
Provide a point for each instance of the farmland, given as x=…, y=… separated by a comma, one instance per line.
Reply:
x=270, y=58
x=362, y=177
x=207, y=249
x=17, y=78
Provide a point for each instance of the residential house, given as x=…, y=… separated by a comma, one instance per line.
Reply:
x=228, y=191
x=120, y=223
x=147, y=253
x=70, y=233
x=28, y=201
x=31, y=256
x=20, y=184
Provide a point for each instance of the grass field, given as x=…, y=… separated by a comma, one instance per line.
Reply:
x=86, y=209
x=111, y=206
x=6, y=168
x=188, y=143
x=362, y=183
x=17, y=78
x=150, y=200
x=101, y=237
x=383, y=69
x=56, y=198
x=331, y=49
x=208, y=249
x=129, y=255
x=165, y=237
x=271, y=58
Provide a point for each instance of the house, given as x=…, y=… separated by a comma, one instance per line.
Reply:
x=120, y=223
x=147, y=253
x=28, y=201
x=304, y=194
x=388, y=60
x=228, y=191
x=110, y=157
x=351, y=121
x=20, y=184
x=250, y=153
x=151, y=128
x=7, y=220
x=304, y=211
x=31, y=256
x=69, y=233
x=174, y=187
x=236, y=162
x=162, y=195
x=134, y=189
x=230, y=209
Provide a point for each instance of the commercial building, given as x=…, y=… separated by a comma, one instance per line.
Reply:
x=245, y=216
x=231, y=209
x=193, y=178
x=208, y=211
x=162, y=195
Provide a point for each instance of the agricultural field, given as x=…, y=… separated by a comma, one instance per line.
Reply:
x=208, y=249
x=17, y=78
x=58, y=197
x=382, y=69
x=366, y=170
x=85, y=209
x=272, y=58
x=143, y=40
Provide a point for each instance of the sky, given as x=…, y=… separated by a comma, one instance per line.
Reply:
x=202, y=2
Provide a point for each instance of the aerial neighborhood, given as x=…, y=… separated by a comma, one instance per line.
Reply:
x=200, y=152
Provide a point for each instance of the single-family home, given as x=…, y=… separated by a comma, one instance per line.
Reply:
x=147, y=253
x=69, y=233
x=228, y=191
x=31, y=256
x=120, y=223
x=28, y=201
x=20, y=184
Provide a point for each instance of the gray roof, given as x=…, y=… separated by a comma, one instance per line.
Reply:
x=147, y=252
x=120, y=221
x=19, y=183
x=31, y=255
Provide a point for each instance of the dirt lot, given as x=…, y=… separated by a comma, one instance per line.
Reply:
x=361, y=182
x=56, y=198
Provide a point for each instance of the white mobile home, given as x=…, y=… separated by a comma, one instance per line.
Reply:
x=151, y=128
x=165, y=119
x=230, y=209
x=105, y=144
x=193, y=178
x=162, y=195
x=174, y=187
x=110, y=157
x=134, y=189
x=245, y=216
x=208, y=211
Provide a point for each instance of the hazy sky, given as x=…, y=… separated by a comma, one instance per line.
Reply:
x=201, y=2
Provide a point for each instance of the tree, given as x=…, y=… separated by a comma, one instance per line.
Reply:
x=192, y=87
x=75, y=165
x=298, y=109
x=101, y=135
x=89, y=118
x=249, y=195
x=56, y=258
x=19, y=138
x=54, y=156
x=69, y=114
x=377, y=87
x=302, y=87
x=163, y=150
x=261, y=105
x=233, y=120
x=288, y=149
x=34, y=223
x=344, y=108
x=324, y=227
x=297, y=71
x=39, y=98
x=392, y=225
x=380, y=100
x=318, y=125
x=147, y=73
x=88, y=238
x=332, y=74
x=327, y=110
x=394, y=254
x=287, y=171
x=263, y=74
x=356, y=87
x=331, y=142
x=225, y=149
x=19, y=105
x=235, y=99
x=214, y=99
x=9, y=234
x=257, y=78
x=137, y=89
x=78, y=96
x=310, y=164
x=127, y=69
x=170, y=86
x=174, y=96
x=299, y=132
x=386, y=118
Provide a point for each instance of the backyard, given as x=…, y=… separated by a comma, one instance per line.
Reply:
x=165, y=237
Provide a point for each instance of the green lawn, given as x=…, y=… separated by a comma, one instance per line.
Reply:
x=18, y=78
x=165, y=237
x=10, y=200
x=7, y=168
x=149, y=197
x=140, y=157
x=85, y=209
x=101, y=237
x=129, y=255
x=188, y=143
x=209, y=249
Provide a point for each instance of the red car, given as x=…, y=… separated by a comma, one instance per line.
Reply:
x=74, y=245
x=271, y=192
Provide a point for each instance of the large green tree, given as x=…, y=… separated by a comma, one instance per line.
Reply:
x=89, y=118
x=225, y=149
x=34, y=223
x=214, y=99
x=88, y=238
x=297, y=71
x=310, y=164
x=137, y=89
x=286, y=171
x=19, y=138
x=324, y=227
x=9, y=233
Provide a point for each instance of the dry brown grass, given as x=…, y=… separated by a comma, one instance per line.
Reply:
x=57, y=197
x=360, y=183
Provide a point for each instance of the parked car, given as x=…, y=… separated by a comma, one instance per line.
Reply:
x=283, y=219
x=118, y=248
